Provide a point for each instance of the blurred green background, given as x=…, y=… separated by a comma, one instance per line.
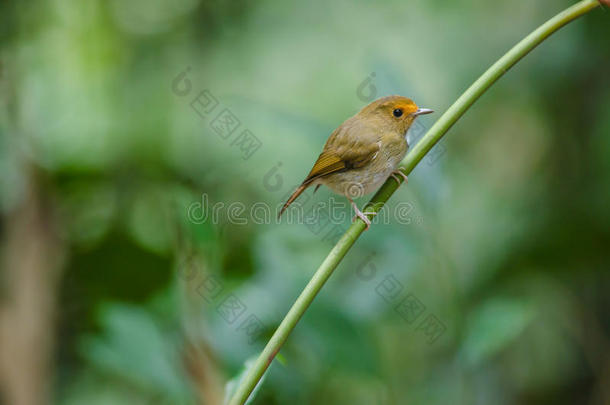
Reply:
x=112, y=293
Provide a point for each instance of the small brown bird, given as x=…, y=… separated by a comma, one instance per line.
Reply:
x=364, y=151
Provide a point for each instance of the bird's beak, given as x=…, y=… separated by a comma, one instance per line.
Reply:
x=422, y=111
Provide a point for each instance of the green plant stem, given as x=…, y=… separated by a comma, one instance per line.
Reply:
x=434, y=134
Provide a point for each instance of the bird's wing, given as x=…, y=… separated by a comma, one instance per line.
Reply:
x=342, y=152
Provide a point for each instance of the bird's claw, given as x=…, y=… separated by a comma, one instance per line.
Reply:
x=364, y=218
x=400, y=173
x=361, y=215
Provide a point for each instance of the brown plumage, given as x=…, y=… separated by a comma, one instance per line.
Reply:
x=363, y=151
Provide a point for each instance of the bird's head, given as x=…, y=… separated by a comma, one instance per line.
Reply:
x=394, y=113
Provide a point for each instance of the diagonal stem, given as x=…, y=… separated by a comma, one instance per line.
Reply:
x=434, y=134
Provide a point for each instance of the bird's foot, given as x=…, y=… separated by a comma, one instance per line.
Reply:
x=362, y=216
x=400, y=173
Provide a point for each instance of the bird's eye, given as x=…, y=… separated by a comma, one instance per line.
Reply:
x=397, y=112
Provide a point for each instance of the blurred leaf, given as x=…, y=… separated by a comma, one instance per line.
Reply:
x=133, y=347
x=148, y=221
x=492, y=327
x=88, y=209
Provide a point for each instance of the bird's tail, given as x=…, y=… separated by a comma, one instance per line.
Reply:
x=293, y=197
